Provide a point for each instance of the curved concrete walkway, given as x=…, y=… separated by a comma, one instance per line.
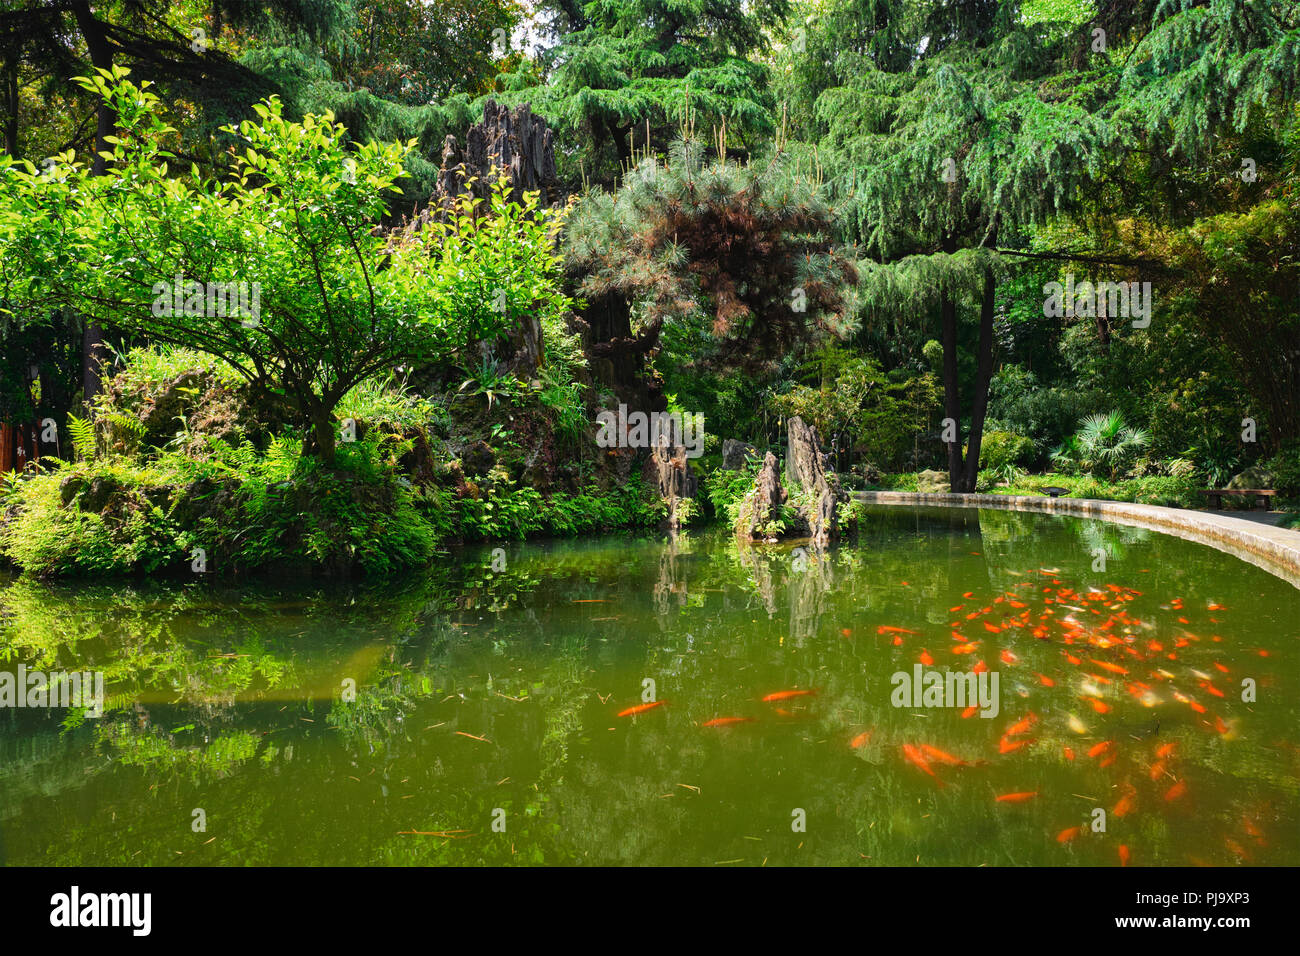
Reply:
x=1276, y=550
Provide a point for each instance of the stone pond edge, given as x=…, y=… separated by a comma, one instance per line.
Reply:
x=1276, y=550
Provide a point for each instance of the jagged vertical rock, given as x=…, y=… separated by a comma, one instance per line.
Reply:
x=817, y=491
x=764, y=502
x=670, y=469
x=519, y=145
x=513, y=142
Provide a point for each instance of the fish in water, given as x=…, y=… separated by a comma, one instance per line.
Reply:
x=787, y=694
x=890, y=629
x=917, y=759
x=727, y=721
x=1176, y=791
x=1016, y=797
x=943, y=757
x=641, y=708
x=1008, y=746
x=860, y=740
x=1106, y=666
x=1124, y=855
x=1065, y=836
x=1076, y=725
x=1125, y=805
x=1167, y=750
x=1021, y=726
x=1100, y=748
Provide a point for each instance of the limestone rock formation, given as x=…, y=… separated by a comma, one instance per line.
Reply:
x=512, y=142
x=763, y=504
x=670, y=470
x=736, y=453
x=930, y=482
x=818, y=494
x=810, y=487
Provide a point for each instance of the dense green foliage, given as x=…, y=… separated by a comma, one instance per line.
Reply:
x=851, y=211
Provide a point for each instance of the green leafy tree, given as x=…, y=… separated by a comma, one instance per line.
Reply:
x=623, y=69
x=338, y=298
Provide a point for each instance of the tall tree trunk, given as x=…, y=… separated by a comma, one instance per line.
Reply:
x=322, y=430
x=983, y=375
x=11, y=105
x=951, y=395
x=93, y=352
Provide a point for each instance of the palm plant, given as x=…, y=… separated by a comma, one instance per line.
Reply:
x=1105, y=442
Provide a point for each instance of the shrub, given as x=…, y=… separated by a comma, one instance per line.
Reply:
x=1000, y=449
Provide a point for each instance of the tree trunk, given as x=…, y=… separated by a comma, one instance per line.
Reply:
x=983, y=375
x=11, y=105
x=951, y=396
x=93, y=352
x=322, y=429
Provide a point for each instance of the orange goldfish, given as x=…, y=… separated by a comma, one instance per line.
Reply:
x=1021, y=726
x=1006, y=746
x=1045, y=680
x=1099, y=706
x=1157, y=770
x=787, y=694
x=890, y=629
x=1065, y=836
x=943, y=757
x=1167, y=750
x=1125, y=805
x=1106, y=665
x=860, y=740
x=1123, y=855
x=1069, y=753
x=1176, y=791
x=727, y=721
x=917, y=759
x=1017, y=797
x=641, y=708
x=925, y=658
x=1100, y=748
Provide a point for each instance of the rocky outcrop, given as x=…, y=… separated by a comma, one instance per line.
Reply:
x=736, y=454
x=518, y=145
x=930, y=482
x=512, y=142
x=762, y=507
x=817, y=493
x=197, y=403
x=670, y=471
x=810, y=487
x=1252, y=478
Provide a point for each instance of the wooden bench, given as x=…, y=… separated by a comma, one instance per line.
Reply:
x=1263, y=496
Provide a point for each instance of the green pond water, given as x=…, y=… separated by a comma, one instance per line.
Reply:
x=484, y=728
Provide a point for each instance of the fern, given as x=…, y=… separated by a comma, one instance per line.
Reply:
x=82, y=431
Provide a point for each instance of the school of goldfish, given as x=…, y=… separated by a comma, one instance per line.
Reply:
x=1108, y=661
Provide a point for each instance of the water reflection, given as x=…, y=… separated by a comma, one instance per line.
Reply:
x=395, y=722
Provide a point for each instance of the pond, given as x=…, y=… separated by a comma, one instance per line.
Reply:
x=471, y=715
